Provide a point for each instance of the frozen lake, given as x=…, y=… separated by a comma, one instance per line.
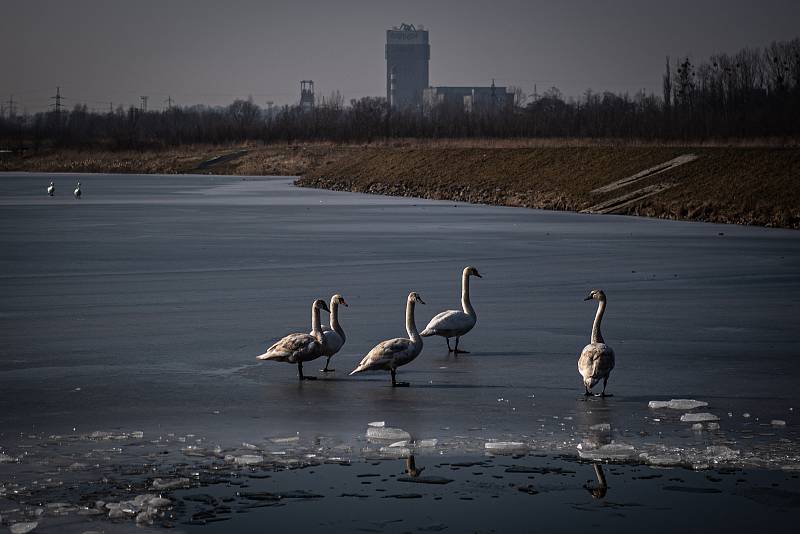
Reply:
x=130, y=321
x=143, y=305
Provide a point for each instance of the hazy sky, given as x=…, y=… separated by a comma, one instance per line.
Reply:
x=211, y=52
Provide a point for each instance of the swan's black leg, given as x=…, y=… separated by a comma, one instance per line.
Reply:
x=588, y=393
x=326, y=369
x=395, y=383
x=603, y=393
x=456, y=351
x=449, y=350
x=300, y=372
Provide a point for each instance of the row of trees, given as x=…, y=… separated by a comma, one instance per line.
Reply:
x=754, y=93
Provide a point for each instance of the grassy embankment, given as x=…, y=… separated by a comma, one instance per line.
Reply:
x=748, y=184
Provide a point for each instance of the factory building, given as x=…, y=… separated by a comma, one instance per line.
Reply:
x=407, y=57
x=470, y=99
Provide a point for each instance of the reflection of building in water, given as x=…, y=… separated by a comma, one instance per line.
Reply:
x=599, y=491
x=470, y=99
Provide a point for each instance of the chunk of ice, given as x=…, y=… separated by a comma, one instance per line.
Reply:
x=504, y=445
x=697, y=427
x=168, y=484
x=602, y=427
x=398, y=452
x=387, y=434
x=138, y=434
x=427, y=442
x=402, y=443
x=611, y=451
x=23, y=528
x=677, y=404
x=290, y=439
x=713, y=426
x=4, y=458
x=721, y=453
x=245, y=459
x=377, y=424
x=778, y=422
x=698, y=417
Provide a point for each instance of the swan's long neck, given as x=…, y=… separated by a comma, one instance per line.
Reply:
x=465, y=303
x=316, y=330
x=597, y=337
x=411, y=326
x=335, y=326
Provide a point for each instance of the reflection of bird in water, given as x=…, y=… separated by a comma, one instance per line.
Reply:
x=599, y=491
x=411, y=467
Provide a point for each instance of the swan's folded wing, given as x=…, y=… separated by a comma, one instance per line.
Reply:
x=382, y=354
x=291, y=345
x=448, y=321
x=596, y=361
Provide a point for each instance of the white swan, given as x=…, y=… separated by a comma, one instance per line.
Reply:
x=392, y=353
x=77, y=191
x=51, y=189
x=455, y=323
x=299, y=348
x=597, y=358
x=334, y=334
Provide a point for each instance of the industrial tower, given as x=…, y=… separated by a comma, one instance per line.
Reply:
x=407, y=57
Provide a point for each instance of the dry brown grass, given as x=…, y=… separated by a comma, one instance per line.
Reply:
x=746, y=182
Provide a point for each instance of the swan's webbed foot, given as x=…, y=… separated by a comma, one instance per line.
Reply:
x=395, y=383
x=459, y=351
x=300, y=374
x=604, y=395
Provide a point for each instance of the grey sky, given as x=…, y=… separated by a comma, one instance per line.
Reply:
x=211, y=52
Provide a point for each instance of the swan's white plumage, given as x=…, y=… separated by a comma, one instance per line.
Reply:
x=597, y=359
x=390, y=354
x=300, y=347
x=450, y=323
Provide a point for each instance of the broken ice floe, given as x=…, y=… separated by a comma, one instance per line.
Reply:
x=601, y=427
x=168, y=484
x=23, y=528
x=377, y=424
x=387, y=434
x=244, y=459
x=499, y=446
x=778, y=422
x=698, y=417
x=677, y=404
x=612, y=451
x=427, y=442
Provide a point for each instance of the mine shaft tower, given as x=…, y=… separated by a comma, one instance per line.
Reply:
x=407, y=57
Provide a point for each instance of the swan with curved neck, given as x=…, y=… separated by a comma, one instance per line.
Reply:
x=334, y=334
x=77, y=191
x=455, y=323
x=299, y=348
x=390, y=354
x=51, y=189
x=597, y=359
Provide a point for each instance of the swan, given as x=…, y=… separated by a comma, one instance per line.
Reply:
x=392, y=353
x=597, y=358
x=51, y=189
x=455, y=323
x=334, y=334
x=299, y=348
x=77, y=191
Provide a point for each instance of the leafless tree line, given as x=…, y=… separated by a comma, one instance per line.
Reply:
x=753, y=93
